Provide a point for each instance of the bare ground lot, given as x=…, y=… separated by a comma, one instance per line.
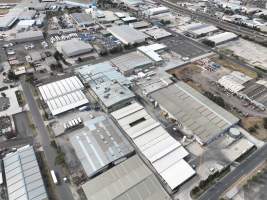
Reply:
x=256, y=125
x=204, y=80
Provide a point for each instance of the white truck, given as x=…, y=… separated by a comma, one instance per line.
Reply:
x=54, y=177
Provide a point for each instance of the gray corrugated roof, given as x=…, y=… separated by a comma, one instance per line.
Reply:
x=102, y=71
x=127, y=34
x=126, y=181
x=195, y=111
x=131, y=61
x=99, y=143
x=24, y=180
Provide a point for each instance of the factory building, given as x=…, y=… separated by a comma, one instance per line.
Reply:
x=127, y=35
x=82, y=19
x=139, y=24
x=155, y=145
x=132, y=62
x=99, y=145
x=234, y=81
x=138, y=181
x=23, y=176
x=157, y=11
x=7, y=21
x=196, y=114
x=75, y=47
x=151, y=51
x=219, y=39
x=157, y=33
x=198, y=30
x=28, y=36
x=63, y=95
x=107, y=85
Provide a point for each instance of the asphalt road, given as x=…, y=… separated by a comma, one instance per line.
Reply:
x=62, y=189
x=242, y=170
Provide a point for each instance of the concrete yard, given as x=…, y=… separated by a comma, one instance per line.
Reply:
x=244, y=49
x=184, y=46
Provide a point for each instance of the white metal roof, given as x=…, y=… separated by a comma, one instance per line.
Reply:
x=150, y=51
x=23, y=177
x=63, y=95
x=234, y=81
x=155, y=143
x=127, y=34
x=219, y=38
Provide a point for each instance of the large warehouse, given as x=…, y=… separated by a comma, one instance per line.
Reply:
x=130, y=180
x=82, y=19
x=220, y=38
x=162, y=151
x=23, y=177
x=63, y=95
x=28, y=36
x=130, y=62
x=99, y=72
x=196, y=113
x=75, y=47
x=234, y=81
x=108, y=86
x=100, y=143
x=127, y=35
x=199, y=30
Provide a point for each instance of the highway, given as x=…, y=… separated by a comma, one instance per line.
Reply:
x=243, y=169
x=240, y=30
x=62, y=189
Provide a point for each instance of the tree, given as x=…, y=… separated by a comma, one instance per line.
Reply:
x=60, y=159
x=265, y=122
x=12, y=76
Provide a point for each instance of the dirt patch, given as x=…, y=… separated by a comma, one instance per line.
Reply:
x=255, y=126
x=185, y=74
x=233, y=66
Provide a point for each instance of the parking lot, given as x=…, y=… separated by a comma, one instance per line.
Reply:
x=184, y=46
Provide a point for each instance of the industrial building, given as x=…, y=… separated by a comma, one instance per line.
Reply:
x=25, y=24
x=199, y=30
x=155, y=144
x=7, y=21
x=127, y=35
x=196, y=114
x=75, y=47
x=131, y=62
x=157, y=10
x=129, y=180
x=28, y=36
x=140, y=24
x=101, y=72
x=27, y=15
x=99, y=145
x=234, y=81
x=255, y=92
x=220, y=38
x=151, y=51
x=82, y=19
x=23, y=176
x=63, y=95
x=157, y=33
x=108, y=86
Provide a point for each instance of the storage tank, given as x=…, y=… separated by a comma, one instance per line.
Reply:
x=234, y=132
